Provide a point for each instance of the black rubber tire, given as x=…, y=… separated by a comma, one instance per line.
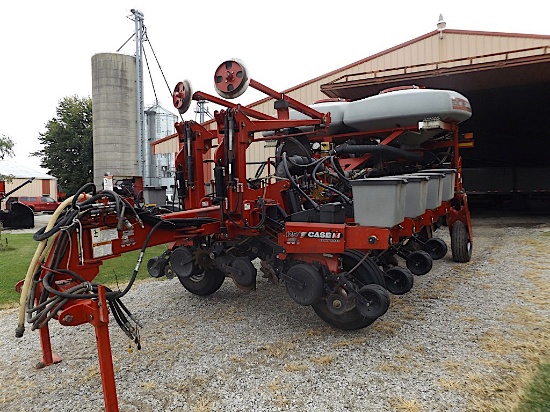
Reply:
x=205, y=283
x=368, y=273
x=379, y=301
x=419, y=262
x=399, y=280
x=436, y=247
x=461, y=245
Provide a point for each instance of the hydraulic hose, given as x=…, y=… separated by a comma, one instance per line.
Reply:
x=296, y=185
x=381, y=149
x=33, y=267
x=342, y=195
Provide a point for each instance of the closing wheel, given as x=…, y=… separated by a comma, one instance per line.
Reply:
x=231, y=79
x=375, y=302
x=437, y=248
x=419, y=262
x=205, y=283
x=182, y=96
x=399, y=280
x=461, y=244
x=366, y=274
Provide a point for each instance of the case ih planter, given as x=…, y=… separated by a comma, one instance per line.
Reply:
x=325, y=216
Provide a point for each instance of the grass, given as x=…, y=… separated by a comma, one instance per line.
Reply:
x=18, y=249
x=538, y=393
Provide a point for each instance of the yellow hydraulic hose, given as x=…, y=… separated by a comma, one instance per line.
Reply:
x=37, y=258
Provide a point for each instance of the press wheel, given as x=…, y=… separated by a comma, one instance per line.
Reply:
x=437, y=248
x=419, y=262
x=399, y=280
x=375, y=302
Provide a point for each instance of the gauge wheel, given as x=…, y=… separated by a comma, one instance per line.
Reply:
x=419, y=262
x=436, y=247
x=461, y=244
x=366, y=274
x=205, y=283
x=399, y=280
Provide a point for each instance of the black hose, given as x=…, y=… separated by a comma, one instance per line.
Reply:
x=64, y=220
x=342, y=195
x=82, y=190
x=338, y=169
x=296, y=185
x=381, y=149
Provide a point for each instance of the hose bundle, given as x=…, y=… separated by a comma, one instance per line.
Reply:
x=56, y=241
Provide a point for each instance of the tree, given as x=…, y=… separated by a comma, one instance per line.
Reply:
x=6, y=150
x=6, y=147
x=68, y=150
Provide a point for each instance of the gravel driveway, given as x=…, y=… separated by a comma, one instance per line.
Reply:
x=466, y=338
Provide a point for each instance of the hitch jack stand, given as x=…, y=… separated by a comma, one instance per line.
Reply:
x=94, y=312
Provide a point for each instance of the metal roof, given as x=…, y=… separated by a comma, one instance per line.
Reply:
x=512, y=64
x=21, y=172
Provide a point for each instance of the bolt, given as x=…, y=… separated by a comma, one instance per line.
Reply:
x=337, y=304
x=68, y=318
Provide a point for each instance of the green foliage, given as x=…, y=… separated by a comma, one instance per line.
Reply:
x=538, y=395
x=6, y=147
x=16, y=258
x=68, y=150
x=6, y=150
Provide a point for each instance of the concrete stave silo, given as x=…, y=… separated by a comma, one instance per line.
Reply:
x=115, y=122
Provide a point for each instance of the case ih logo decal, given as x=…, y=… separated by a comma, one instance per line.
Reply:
x=323, y=235
x=332, y=236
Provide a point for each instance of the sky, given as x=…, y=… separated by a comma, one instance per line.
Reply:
x=46, y=46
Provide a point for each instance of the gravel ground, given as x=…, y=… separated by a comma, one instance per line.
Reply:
x=467, y=337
